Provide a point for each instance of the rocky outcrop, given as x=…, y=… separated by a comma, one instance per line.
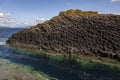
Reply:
x=74, y=32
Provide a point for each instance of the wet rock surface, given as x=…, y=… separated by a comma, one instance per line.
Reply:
x=73, y=33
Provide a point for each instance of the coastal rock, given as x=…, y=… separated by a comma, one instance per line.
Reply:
x=73, y=32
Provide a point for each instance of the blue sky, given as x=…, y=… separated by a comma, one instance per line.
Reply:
x=29, y=10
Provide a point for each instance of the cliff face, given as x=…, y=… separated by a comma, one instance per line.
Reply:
x=74, y=34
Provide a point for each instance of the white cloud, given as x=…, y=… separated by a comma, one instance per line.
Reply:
x=8, y=14
x=115, y=0
x=7, y=20
x=1, y=14
x=117, y=13
x=40, y=20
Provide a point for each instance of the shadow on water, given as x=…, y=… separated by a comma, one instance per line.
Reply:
x=61, y=70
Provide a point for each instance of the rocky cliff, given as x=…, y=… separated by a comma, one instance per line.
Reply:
x=73, y=32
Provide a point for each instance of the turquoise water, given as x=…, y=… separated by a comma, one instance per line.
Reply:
x=16, y=66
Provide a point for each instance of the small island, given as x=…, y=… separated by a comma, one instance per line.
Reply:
x=73, y=33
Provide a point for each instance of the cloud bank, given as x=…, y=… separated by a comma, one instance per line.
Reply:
x=40, y=20
x=115, y=0
x=7, y=20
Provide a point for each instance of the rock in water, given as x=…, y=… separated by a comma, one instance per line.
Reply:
x=73, y=32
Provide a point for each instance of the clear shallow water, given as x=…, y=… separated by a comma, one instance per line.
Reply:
x=9, y=68
x=15, y=66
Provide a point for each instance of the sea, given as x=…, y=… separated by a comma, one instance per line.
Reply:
x=17, y=66
x=13, y=65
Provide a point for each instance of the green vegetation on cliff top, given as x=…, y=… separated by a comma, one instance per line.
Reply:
x=77, y=12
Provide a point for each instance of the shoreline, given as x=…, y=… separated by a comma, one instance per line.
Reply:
x=66, y=58
x=78, y=68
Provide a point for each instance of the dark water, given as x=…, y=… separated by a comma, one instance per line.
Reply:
x=15, y=66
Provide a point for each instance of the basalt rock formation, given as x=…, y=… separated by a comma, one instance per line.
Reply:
x=73, y=32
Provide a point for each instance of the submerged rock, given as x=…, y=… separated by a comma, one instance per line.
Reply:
x=73, y=32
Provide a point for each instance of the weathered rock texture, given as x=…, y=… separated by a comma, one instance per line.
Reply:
x=74, y=32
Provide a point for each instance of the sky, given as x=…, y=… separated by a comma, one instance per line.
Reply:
x=21, y=13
